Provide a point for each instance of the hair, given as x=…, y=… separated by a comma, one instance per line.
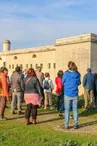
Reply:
x=17, y=69
x=2, y=69
x=31, y=71
x=72, y=66
x=60, y=73
x=47, y=74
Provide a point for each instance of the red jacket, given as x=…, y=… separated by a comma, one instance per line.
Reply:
x=58, y=82
x=3, y=85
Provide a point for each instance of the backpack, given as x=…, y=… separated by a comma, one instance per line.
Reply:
x=46, y=85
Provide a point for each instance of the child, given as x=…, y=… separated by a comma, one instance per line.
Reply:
x=48, y=87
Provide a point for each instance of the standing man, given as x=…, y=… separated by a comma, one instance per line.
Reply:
x=40, y=77
x=17, y=87
x=88, y=84
x=71, y=81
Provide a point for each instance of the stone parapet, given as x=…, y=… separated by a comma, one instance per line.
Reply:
x=29, y=50
x=90, y=37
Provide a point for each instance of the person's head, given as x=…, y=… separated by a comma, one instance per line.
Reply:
x=60, y=73
x=72, y=66
x=31, y=71
x=17, y=69
x=4, y=70
x=47, y=75
x=39, y=68
x=25, y=71
x=89, y=70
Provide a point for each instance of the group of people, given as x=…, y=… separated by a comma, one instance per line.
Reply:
x=36, y=89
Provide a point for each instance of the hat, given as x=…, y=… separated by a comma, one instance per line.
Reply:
x=89, y=69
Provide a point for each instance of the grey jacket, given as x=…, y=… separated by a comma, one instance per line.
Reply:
x=17, y=83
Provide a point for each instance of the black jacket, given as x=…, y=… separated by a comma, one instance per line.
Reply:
x=32, y=85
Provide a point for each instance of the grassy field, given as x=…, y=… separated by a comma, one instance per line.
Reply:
x=48, y=132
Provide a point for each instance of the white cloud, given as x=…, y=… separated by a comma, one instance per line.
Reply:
x=46, y=22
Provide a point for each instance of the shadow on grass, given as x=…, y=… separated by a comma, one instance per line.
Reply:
x=15, y=118
x=88, y=112
x=47, y=113
x=88, y=124
x=50, y=120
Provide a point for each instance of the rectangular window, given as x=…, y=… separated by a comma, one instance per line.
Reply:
x=41, y=65
x=49, y=65
x=26, y=66
x=12, y=66
x=36, y=66
x=9, y=66
x=4, y=63
x=30, y=65
x=54, y=65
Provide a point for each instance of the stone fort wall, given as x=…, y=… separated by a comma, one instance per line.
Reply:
x=81, y=49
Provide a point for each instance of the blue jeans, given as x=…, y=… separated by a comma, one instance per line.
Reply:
x=68, y=101
x=59, y=101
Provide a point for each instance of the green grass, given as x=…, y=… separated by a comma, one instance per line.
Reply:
x=15, y=133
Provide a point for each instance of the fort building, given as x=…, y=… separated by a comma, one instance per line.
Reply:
x=81, y=49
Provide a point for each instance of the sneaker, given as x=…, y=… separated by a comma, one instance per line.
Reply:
x=64, y=127
x=45, y=107
x=60, y=114
x=20, y=113
x=51, y=108
x=76, y=126
x=71, y=117
x=3, y=118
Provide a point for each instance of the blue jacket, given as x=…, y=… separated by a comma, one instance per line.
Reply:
x=71, y=81
x=89, y=81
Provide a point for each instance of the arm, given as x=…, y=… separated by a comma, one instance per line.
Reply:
x=84, y=80
x=22, y=83
x=38, y=86
x=78, y=80
x=51, y=85
x=64, y=79
x=4, y=87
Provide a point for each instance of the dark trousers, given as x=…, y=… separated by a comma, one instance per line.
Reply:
x=60, y=101
x=31, y=109
x=2, y=105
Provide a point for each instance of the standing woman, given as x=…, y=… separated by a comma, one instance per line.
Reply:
x=32, y=95
x=71, y=81
x=58, y=82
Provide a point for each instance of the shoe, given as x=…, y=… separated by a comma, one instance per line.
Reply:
x=33, y=121
x=76, y=126
x=64, y=127
x=71, y=117
x=27, y=121
x=60, y=114
x=20, y=113
x=3, y=118
x=45, y=107
x=51, y=107
x=12, y=112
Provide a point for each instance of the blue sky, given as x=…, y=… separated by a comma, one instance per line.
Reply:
x=29, y=23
